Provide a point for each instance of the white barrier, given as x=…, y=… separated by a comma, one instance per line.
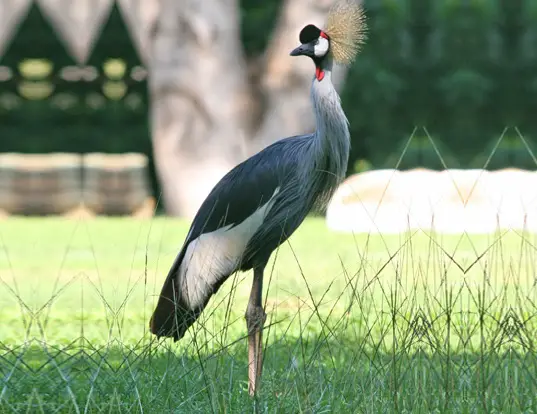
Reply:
x=450, y=201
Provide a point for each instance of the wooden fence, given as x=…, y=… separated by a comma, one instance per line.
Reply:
x=74, y=184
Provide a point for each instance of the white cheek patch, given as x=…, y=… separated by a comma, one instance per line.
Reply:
x=321, y=48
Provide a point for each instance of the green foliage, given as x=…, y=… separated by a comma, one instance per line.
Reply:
x=419, y=151
x=258, y=19
x=463, y=69
x=95, y=111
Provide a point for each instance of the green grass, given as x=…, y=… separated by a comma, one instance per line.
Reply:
x=356, y=323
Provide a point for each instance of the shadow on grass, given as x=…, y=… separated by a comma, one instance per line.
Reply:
x=310, y=373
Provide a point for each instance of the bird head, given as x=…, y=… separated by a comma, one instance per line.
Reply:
x=344, y=34
x=313, y=43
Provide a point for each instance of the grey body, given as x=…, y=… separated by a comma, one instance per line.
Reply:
x=254, y=208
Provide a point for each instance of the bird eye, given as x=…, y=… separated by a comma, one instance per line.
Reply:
x=317, y=42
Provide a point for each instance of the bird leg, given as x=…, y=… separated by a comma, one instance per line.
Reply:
x=255, y=319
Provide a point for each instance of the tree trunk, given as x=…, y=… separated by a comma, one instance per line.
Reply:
x=140, y=17
x=199, y=99
x=205, y=112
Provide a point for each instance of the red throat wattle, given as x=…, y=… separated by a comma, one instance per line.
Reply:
x=319, y=73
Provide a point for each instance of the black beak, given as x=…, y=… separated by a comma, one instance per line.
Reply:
x=300, y=50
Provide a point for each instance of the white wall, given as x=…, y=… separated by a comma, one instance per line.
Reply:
x=450, y=201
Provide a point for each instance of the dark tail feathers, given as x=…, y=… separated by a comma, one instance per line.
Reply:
x=172, y=317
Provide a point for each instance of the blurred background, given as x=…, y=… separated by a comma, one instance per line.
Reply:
x=182, y=90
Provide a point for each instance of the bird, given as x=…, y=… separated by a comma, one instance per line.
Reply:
x=260, y=203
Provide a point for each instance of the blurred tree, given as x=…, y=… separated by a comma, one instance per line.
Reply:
x=224, y=85
x=212, y=106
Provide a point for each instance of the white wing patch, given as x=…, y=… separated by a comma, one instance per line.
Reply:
x=216, y=254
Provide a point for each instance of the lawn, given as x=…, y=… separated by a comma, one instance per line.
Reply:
x=356, y=323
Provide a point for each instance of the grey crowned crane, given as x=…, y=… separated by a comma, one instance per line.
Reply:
x=262, y=201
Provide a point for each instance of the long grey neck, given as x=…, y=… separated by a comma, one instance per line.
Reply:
x=332, y=138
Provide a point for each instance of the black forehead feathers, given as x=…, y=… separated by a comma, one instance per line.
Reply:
x=309, y=33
